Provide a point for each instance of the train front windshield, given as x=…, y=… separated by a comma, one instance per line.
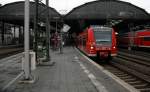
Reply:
x=103, y=36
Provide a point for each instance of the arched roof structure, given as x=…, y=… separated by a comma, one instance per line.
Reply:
x=107, y=9
x=104, y=12
x=14, y=12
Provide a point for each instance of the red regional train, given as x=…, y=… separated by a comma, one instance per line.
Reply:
x=139, y=38
x=98, y=41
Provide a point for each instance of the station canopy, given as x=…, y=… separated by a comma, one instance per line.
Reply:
x=107, y=9
x=14, y=12
x=105, y=12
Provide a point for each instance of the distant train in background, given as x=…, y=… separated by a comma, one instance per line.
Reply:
x=98, y=41
x=138, y=38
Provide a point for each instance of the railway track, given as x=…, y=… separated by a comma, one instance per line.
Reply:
x=132, y=69
x=135, y=52
x=9, y=51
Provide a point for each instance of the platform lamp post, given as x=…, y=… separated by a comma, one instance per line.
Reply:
x=48, y=58
x=26, y=40
x=130, y=26
x=60, y=44
x=131, y=40
x=36, y=27
x=61, y=39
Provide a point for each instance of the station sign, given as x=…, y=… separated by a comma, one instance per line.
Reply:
x=65, y=28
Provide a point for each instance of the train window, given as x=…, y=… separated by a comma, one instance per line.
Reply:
x=103, y=37
x=146, y=38
x=102, y=28
x=84, y=42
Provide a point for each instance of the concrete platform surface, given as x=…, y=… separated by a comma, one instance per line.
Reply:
x=69, y=74
x=10, y=67
x=65, y=76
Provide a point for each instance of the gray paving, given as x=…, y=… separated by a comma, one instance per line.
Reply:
x=10, y=67
x=65, y=76
x=110, y=84
x=69, y=75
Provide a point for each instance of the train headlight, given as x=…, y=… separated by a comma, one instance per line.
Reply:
x=116, y=33
x=92, y=47
x=114, y=47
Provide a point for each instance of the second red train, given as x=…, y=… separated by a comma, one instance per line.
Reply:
x=138, y=39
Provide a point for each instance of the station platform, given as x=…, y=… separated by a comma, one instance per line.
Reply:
x=71, y=73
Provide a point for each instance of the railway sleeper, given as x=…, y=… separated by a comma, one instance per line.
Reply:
x=134, y=56
x=140, y=86
x=134, y=82
x=127, y=80
x=120, y=74
x=144, y=89
x=133, y=65
x=115, y=71
x=132, y=72
x=123, y=75
x=126, y=77
x=110, y=68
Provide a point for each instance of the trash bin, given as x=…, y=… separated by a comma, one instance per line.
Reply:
x=32, y=61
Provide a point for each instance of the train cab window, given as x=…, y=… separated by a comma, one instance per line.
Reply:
x=103, y=36
x=84, y=41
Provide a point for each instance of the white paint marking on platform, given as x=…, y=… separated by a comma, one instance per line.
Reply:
x=93, y=79
x=91, y=76
x=86, y=71
x=12, y=81
x=118, y=80
x=83, y=67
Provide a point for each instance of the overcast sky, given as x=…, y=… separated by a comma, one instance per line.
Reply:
x=67, y=5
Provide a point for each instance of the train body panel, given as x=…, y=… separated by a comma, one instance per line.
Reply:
x=98, y=41
x=143, y=38
x=140, y=38
x=90, y=43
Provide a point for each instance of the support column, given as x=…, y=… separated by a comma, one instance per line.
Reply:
x=47, y=32
x=56, y=26
x=131, y=39
x=61, y=40
x=14, y=31
x=3, y=31
x=23, y=32
x=26, y=40
x=36, y=28
x=20, y=35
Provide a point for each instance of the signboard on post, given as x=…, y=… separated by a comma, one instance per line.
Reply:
x=65, y=28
